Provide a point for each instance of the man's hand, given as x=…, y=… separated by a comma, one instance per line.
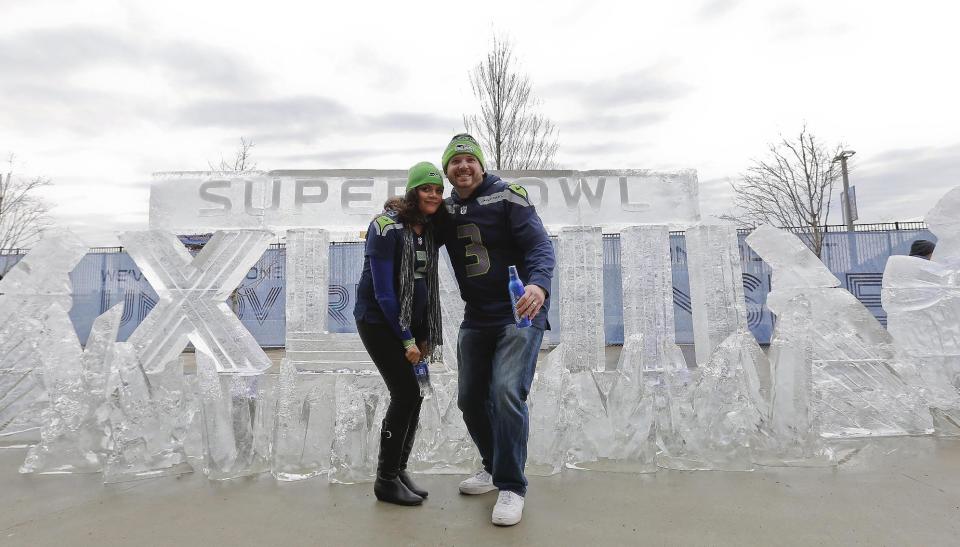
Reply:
x=532, y=300
x=413, y=354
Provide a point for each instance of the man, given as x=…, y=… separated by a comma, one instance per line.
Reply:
x=494, y=226
x=922, y=248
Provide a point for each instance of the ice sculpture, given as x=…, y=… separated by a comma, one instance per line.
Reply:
x=944, y=221
x=623, y=426
x=716, y=286
x=192, y=295
x=546, y=448
x=344, y=201
x=75, y=428
x=21, y=401
x=922, y=301
x=307, y=273
x=708, y=416
x=857, y=391
x=580, y=265
x=451, y=311
x=649, y=337
x=789, y=433
x=647, y=277
x=237, y=413
x=361, y=405
x=27, y=292
x=148, y=419
x=631, y=407
x=305, y=422
x=443, y=444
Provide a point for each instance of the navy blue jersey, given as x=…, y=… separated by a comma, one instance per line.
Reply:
x=497, y=227
x=378, y=292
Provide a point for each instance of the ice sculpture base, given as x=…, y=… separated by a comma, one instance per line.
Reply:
x=237, y=412
x=303, y=431
x=148, y=420
x=443, y=446
x=361, y=404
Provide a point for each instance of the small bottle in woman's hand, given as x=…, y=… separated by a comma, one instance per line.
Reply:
x=422, y=373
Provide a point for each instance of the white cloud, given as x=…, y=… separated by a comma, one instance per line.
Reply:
x=99, y=95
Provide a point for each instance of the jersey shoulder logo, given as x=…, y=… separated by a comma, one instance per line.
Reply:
x=519, y=190
x=386, y=223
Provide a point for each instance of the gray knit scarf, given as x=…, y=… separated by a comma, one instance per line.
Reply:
x=407, y=265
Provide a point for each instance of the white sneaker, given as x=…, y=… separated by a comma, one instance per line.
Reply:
x=479, y=483
x=509, y=509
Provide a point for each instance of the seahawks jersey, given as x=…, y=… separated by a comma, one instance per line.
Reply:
x=497, y=227
x=385, y=243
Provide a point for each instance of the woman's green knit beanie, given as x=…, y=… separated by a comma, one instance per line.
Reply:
x=423, y=173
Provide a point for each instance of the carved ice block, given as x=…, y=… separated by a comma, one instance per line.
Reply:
x=192, y=293
x=857, y=388
x=148, y=419
x=308, y=280
x=580, y=263
x=647, y=276
x=304, y=424
x=716, y=286
x=237, y=412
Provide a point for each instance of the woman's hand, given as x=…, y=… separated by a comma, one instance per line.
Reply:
x=413, y=354
x=424, y=348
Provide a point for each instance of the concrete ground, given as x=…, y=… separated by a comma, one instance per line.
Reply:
x=897, y=492
x=901, y=496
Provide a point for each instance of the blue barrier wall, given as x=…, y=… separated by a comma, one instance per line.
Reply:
x=104, y=279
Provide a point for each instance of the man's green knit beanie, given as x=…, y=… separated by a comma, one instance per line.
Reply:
x=463, y=144
x=423, y=173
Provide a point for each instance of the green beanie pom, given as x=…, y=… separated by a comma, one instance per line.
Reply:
x=423, y=173
x=463, y=144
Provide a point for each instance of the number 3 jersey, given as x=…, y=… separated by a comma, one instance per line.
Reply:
x=497, y=227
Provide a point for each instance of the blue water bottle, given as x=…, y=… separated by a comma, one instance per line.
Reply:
x=516, y=291
x=422, y=373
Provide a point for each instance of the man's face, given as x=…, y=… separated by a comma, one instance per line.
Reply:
x=465, y=173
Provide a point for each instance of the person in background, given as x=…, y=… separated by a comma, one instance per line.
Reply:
x=922, y=248
x=398, y=317
x=494, y=226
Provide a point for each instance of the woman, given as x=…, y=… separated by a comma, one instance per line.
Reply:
x=398, y=317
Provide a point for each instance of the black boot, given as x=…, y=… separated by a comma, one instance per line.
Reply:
x=412, y=486
x=388, y=486
x=394, y=491
x=407, y=449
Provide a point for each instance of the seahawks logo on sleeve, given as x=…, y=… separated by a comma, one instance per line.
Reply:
x=519, y=190
x=385, y=223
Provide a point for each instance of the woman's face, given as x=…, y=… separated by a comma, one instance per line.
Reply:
x=429, y=198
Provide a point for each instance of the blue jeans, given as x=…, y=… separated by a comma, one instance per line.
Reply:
x=496, y=370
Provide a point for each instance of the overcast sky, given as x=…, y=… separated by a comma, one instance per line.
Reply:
x=97, y=95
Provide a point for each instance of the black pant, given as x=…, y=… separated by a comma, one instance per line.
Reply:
x=403, y=414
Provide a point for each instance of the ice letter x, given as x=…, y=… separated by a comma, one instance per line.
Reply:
x=40, y=279
x=192, y=291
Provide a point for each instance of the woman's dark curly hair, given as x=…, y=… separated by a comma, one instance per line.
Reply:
x=408, y=209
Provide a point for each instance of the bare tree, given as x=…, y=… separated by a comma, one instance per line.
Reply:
x=242, y=160
x=791, y=186
x=23, y=214
x=509, y=126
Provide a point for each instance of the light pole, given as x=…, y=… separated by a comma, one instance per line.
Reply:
x=847, y=205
